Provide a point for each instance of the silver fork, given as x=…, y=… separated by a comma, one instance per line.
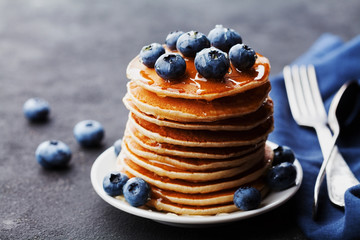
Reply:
x=308, y=110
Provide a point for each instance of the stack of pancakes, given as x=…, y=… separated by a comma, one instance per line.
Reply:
x=196, y=140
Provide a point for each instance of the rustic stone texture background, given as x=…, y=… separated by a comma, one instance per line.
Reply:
x=74, y=54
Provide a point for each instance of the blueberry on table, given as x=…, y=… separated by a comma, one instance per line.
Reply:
x=172, y=38
x=212, y=63
x=281, y=176
x=117, y=146
x=247, y=198
x=114, y=182
x=36, y=109
x=136, y=191
x=283, y=154
x=224, y=38
x=242, y=56
x=53, y=154
x=150, y=53
x=192, y=42
x=170, y=66
x=89, y=133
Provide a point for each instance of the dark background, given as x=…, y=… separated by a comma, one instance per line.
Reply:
x=74, y=54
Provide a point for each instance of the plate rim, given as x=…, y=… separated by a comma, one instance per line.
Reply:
x=186, y=220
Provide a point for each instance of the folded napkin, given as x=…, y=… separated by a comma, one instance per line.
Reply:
x=336, y=62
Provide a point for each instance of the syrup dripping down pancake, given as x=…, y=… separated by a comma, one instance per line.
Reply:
x=196, y=164
x=244, y=122
x=187, y=110
x=168, y=170
x=189, y=152
x=202, y=138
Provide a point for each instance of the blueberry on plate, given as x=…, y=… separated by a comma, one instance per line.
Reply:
x=117, y=146
x=150, y=53
x=283, y=154
x=170, y=66
x=114, y=182
x=89, y=133
x=247, y=198
x=192, y=42
x=212, y=63
x=171, y=39
x=136, y=191
x=242, y=56
x=224, y=38
x=36, y=109
x=281, y=176
x=53, y=154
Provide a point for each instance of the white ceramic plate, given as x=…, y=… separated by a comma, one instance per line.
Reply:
x=105, y=164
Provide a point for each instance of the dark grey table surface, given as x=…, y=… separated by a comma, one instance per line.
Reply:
x=74, y=54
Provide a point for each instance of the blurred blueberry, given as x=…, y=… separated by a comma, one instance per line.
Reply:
x=89, y=133
x=136, y=191
x=281, y=176
x=36, y=109
x=53, y=154
x=172, y=38
x=224, y=38
x=247, y=198
x=114, y=182
x=242, y=56
x=117, y=146
x=192, y=42
x=150, y=53
x=212, y=63
x=170, y=66
x=283, y=154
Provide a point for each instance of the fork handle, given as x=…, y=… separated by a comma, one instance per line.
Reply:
x=338, y=174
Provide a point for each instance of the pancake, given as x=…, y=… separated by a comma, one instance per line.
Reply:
x=245, y=122
x=192, y=197
x=207, y=204
x=126, y=165
x=201, y=138
x=194, y=86
x=196, y=164
x=189, y=152
x=187, y=110
x=220, y=197
x=162, y=204
x=163, y=169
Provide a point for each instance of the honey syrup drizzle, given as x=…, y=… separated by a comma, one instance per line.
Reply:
x=193, y=83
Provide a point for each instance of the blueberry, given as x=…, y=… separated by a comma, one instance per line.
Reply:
x=117, y=146
x=212, y=63
x=136, y=191
x=170, y=66
x=114, y=182
x=281, y=176
x=89, y=133
x=36, y=109
x=192, y=42
x=172, y=38
x=224, y=38
x=150, y=53
x=242, y=56
x=247, y=198
x=283, y=154
x=53, y=154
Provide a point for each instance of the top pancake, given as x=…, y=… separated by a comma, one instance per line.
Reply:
x=194, y=86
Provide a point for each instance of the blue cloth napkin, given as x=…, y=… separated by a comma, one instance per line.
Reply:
x=336, y=62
